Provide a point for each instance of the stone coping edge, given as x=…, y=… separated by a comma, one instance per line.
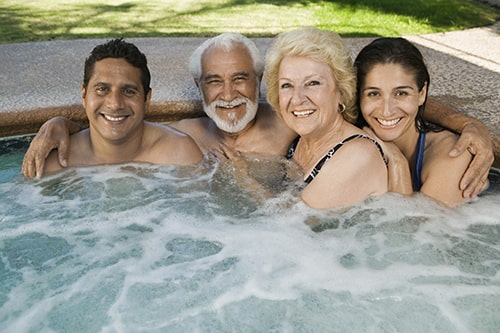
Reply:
x=23, y=122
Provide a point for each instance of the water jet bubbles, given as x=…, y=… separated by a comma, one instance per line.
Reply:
x=148, y=248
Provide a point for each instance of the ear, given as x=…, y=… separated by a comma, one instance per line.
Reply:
x=147, y=102
x=422, y=94
x=340, y=96
x=84, y=93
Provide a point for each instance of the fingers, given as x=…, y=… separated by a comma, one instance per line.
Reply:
x=63, y=153
x=28, y=167
x=229, y=153
x=39, y=165
x=460, y=146
x=32, y=160
x=475, y=179
x=475, y=188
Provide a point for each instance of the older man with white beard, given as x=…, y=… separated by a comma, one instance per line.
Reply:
x=228, y=70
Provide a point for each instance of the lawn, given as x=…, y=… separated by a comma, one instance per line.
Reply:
x=42, y=20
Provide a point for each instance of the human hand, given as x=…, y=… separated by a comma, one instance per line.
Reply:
x=54, y=134
x=476, y=139
x=232, y=155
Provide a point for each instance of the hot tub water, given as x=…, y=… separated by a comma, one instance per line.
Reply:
x=136, y=248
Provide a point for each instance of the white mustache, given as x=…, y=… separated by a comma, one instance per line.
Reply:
x=234, y=103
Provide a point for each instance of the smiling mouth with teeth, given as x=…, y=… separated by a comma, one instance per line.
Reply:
x=230, y=107
x=111, y=118
x=304, y=113
x=384, y=122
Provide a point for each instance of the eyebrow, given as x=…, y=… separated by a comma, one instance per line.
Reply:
x=396, y=88
x=100, y=83
x=218, y=76
x=316, y=76
x=211, y=76
x=124, y=86
x=130, y=86
x=404, y=87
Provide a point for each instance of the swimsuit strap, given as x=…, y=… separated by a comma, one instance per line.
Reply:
x=291, y=150
x=330, y=153
x=419, y=162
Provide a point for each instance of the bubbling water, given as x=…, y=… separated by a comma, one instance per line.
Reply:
x=136, y=248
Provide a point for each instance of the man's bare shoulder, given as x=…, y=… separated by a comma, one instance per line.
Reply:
x=80, y=153
x=168, y=145
x=156, y=131
x=191, y=124
x=203, y=131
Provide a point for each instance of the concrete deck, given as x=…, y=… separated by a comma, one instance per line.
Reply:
x=41, y=80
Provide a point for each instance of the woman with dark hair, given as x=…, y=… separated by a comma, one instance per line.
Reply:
x=392, y=85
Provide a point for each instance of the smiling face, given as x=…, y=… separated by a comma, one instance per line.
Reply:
x=308, y=96
x=389, y=101
x=230, y=87
x=114, y=100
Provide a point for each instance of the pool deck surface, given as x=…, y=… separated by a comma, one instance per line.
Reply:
x=42, y=79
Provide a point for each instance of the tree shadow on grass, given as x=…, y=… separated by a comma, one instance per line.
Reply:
x=11, y=24
x=438, y=13
x=20, y=23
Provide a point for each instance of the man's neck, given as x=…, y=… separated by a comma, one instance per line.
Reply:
x=107, y=152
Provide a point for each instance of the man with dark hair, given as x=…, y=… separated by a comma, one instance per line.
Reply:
x=116, y=94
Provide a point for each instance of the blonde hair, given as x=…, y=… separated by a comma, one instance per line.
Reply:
x=319, y=45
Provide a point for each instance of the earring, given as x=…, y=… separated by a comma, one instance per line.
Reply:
x=341, y=107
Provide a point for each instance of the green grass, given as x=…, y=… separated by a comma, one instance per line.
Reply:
x=22, y=21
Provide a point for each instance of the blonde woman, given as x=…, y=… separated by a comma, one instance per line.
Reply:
x=311, y=83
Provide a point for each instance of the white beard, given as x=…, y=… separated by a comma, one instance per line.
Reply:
x=232, y=124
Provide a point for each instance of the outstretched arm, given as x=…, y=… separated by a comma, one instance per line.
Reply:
x=474, y=138
x=54, y=134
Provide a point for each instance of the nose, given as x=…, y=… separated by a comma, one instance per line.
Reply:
x=388, y=107
x=298, y=96
x=115, y=100
x=228, y=91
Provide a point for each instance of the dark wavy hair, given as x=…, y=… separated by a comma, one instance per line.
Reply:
x=393, y=51
x=118, y=48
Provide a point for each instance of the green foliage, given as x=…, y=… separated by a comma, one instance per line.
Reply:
x=22, y=21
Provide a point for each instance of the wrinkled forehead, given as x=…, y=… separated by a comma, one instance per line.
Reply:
x=219, y=61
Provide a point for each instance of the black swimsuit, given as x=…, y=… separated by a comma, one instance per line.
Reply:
x=419, y=162
x=330, y=153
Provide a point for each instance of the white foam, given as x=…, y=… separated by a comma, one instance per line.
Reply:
x=153, y=248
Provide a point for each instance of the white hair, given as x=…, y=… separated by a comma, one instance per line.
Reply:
x=226, y=41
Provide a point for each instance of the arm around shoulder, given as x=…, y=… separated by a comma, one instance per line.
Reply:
x=441, y=173
x=53, y=134
x=474, y=138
